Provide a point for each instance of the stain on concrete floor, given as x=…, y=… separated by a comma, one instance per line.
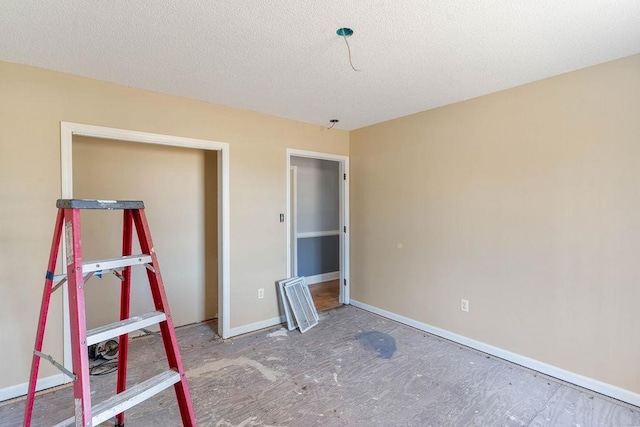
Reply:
x=377, y=341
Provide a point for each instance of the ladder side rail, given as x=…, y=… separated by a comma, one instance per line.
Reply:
x=166, y=327
x=42, y=320
x=125, y=308
x=80, y=357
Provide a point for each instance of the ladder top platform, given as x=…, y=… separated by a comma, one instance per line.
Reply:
x=99, y=204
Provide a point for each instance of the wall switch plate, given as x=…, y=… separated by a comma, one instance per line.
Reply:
x=464, y=305
x=260, y=293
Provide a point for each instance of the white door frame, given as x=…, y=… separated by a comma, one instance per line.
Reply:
x=343, y=161
x=69, y=130
x=293, y=201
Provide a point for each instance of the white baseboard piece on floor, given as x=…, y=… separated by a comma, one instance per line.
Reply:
x=18, y=390
x=544, y=368
x=252, y=327
x=319, y=278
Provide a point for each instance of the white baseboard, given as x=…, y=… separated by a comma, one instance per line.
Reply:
x=252, y=327
x=553, y=371
x=18, y=390
x=319, y=278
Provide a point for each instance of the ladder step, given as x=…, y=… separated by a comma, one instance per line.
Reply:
x=111, y=407
x=115, y=329
x=113, y=263
x=110, y=264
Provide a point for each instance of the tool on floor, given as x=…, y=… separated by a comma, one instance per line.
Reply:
x=76, y=276
x=107, y=350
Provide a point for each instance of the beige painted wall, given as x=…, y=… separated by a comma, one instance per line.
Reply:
x=33, y=102
x=525, y=202
x=171, y=182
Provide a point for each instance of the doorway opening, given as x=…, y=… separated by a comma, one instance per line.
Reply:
x=179, y=188
x=218, y=153
x=318, y=232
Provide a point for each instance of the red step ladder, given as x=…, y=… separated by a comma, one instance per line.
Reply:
x=77, y=275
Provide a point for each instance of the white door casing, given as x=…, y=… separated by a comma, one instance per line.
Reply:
x=69, y=130
x=344, y=215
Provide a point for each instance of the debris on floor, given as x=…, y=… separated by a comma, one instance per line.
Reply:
x=282, y=332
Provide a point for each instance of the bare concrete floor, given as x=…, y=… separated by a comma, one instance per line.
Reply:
x=354, y=368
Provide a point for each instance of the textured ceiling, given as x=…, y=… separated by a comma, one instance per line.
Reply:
x=284, y=58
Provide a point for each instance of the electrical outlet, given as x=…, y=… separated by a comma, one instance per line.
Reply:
x=464, y=305
x=260, y=293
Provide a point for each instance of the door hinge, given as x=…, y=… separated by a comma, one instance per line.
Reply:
x=345, y=176
x=345, y=228
x=345, y=282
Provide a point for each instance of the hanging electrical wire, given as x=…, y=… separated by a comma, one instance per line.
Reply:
x=349, y=50
x=333, y=123
x=347, y=32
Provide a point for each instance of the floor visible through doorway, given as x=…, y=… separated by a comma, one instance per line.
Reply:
x=326, y=295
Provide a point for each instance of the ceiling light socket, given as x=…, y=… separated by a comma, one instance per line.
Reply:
x=333, y=123
x=344, y=32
